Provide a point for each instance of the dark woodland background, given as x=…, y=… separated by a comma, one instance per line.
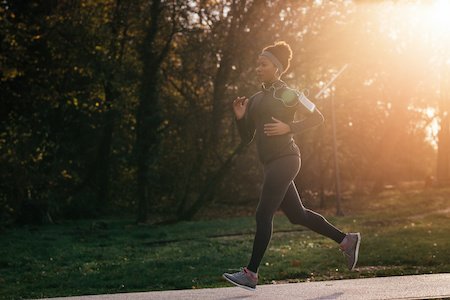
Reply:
x=123, y=108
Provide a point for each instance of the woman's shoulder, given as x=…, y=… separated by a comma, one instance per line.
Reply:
x=255, y=95
x=289, y=96
x=295, y=98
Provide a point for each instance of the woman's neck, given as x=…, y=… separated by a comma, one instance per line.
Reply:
x=272, y=81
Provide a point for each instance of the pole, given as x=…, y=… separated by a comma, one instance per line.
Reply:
x=339, y=211
x=331, y=81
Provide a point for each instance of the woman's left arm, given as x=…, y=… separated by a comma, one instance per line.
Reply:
x=312, y=119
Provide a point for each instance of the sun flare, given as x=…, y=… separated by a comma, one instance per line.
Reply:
x=440, y=12
x=435, y=17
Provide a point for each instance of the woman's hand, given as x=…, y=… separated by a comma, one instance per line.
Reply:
x=277, y=128
x=239, y=106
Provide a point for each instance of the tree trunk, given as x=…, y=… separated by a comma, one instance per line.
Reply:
x=148, y=120
x=443, y=155
x=97, y=176
x=104, y=153
x=210, y=186
x=148, y=115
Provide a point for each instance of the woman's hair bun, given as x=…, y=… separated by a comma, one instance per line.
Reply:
x=282, y=51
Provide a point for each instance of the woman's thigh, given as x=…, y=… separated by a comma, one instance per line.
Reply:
x=278, y=175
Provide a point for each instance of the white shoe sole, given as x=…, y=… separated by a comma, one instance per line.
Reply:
x=239, y=285
x=356, y=251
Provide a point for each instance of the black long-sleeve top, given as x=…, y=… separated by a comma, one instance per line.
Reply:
x=261, y=107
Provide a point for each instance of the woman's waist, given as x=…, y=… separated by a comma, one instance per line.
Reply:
x=281, y=139
x=269, y=152
x=275, y=144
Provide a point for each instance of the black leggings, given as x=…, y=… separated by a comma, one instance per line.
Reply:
x=279, y=191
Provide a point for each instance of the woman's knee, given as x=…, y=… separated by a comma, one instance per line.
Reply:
x=263, y=216
x=310, y=219
x=305, y=218
x=312, y=215
x=299, y=219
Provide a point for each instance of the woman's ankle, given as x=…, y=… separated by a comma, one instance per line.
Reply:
x=253, y=274
x=344, y=244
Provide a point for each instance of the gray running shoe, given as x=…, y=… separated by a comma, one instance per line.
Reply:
x=352, y=251
x=243, y=279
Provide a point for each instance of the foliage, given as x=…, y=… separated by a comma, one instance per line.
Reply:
x=118, y=107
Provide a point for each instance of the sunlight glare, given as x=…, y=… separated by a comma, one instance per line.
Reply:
x=438, y=17
x=430, y=112
x=440, y=10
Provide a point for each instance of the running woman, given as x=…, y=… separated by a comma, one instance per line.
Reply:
x=268, y=117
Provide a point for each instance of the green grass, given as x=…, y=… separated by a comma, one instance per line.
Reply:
x=403, y=233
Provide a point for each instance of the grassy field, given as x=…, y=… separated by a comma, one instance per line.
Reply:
x=402, y=233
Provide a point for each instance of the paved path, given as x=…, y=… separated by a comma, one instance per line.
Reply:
x=433, y=286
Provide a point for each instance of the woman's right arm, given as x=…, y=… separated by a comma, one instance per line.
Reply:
x=245, y=125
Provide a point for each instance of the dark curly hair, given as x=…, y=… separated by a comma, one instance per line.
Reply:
x=283, y=52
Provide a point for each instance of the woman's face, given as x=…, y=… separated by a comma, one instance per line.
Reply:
x=265, y=70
